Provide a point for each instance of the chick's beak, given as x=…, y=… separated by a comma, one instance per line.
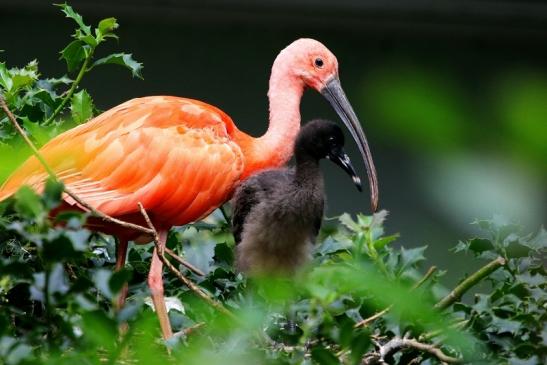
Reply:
x=340, y=158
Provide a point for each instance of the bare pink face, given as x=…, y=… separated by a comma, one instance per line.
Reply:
x=313, y=62
x=309, y=62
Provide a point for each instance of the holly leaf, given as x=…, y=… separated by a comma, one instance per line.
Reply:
x=70, y=13
x=81, y=107
x=411, y=257
x=505, y=325
x=105, y=29
x=346, y=220
x=122, y=59
x=323, y=356
x=479, y=245
x=73, y=54
x=538, y=241
x=52, y=193
x=27, y=202
x=384, y=241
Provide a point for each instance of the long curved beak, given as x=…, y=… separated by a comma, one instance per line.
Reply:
x=333, y=92
x=340, y=158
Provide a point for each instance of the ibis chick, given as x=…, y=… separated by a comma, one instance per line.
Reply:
x=277, y=213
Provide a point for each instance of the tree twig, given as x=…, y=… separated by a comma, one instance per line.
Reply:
x=365, y=322
x=397, y=343
x=189, y=283
x=377, y=315
x=468, y=283
x=189, y=330
x=427, y=275
x=456, y=325
x=188, y=265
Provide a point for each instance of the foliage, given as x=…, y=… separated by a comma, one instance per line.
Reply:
x=57, y=283
x=512, y=317
x=57, y=287
x=39, y=102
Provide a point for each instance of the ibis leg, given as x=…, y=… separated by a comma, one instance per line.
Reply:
x=155, y=283
x=121, y=254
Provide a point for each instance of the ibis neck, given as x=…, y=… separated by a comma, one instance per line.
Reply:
x=275, y=147
x=307, y=171
x=285, y=94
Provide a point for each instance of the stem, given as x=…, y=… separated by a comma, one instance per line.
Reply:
x=73, y=87
x=471, y=281
x=427, y=275
x=188, y=265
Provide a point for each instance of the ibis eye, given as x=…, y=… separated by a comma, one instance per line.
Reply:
x=319, y=62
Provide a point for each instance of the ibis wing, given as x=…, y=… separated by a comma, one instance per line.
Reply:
x=174, y=155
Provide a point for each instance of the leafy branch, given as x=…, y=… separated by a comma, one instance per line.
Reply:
x=82, y=50
x=471, y=281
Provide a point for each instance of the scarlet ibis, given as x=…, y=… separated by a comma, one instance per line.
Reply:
x=277, y=213
x=182, y=158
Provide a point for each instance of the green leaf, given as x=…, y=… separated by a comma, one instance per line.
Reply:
x=411, y=257
x=384, y=241
x=224, y=254
x=88, y=39
x=40, y=134
x=123, y=59
x=52, y=193
x=346, y=220
x=323, y=356
x=101, y=278
x=479, y=245
x=24, y=77
x=17, y=78
x=81, y=107
x=19, y=353
x=118, y=279
x=27, y=202
x=359, y=345
x=107, y=25
x=100, y=329
x=73, y=54
x=538, y=241
x=5, y=77
x=70, y=13
x=505, y=325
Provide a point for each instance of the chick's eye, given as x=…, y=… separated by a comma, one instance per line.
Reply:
x=319, y=62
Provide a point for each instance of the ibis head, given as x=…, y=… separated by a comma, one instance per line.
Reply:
x=315, y=66
x=320, y=139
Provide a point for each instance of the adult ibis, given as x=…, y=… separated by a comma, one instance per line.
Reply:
x=182, y=158
x=277, y=213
